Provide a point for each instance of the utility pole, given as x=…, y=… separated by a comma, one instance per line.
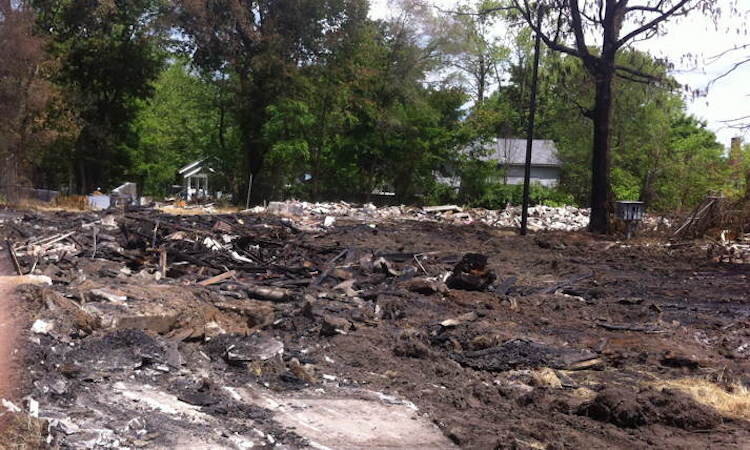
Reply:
x=530, y=130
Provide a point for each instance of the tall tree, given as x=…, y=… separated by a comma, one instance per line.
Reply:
x=364, y=119
x=183, y=121
x=694, y=165
x=613, y=25
x=473, y=50
x=25, y=93
x=262, y=44
x=110, y=51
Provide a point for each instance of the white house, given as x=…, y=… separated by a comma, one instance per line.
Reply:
x=510, y=155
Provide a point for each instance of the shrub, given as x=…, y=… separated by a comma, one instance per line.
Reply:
x=497, y=196
x=441, y=194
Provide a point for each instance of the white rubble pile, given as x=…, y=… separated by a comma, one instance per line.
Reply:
x=323, y=215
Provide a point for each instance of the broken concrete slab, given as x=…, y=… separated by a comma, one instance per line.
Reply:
x=42, y=326
x=108, y=295
x=357, y=419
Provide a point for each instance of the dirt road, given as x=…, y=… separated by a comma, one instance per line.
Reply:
x=7, y=327
x=8, y=330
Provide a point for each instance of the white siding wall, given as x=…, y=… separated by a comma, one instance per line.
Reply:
x=546, y=176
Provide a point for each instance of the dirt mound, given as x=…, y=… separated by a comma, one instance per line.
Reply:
x=628, y=409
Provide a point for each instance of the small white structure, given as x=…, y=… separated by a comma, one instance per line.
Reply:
x=127, y=194
x=195, y=179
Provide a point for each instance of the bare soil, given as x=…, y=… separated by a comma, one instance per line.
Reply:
x=563, y=350
x=699, y=308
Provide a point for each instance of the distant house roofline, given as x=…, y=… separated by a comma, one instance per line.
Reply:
x=188, y=170
x=191, y=166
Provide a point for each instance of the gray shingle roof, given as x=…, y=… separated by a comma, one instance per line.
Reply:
x=513, y=152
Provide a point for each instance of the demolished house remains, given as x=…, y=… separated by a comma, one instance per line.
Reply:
x=392, y=327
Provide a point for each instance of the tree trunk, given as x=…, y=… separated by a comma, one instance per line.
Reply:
x=599, y=220
x=647, y=191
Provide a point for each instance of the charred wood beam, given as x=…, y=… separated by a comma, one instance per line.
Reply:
x=13, y=258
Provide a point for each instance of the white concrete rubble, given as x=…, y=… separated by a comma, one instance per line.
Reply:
x=323, y=215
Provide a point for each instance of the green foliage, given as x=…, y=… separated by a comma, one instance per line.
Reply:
x=317, y=101
x=109, y=53
x=441, y=194
x=181, y=123
x=694, y=166
x=498, y=196
x=362, y=120
x=625, y=185
x=648, y=162
x=477, y=178
x=264, y=47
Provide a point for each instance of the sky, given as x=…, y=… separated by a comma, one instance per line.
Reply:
x=727, y=98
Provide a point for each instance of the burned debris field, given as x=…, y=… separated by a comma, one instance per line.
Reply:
x=148, y=330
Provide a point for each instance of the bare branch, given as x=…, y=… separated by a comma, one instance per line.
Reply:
x=715, y=58
x=638, y=73
x=577, y=26
x=652, y=9
x=652, y=23
x=525, y=11
x=481, y=12
x=734, y=67
x=633, y=79
x=589, y=18
x=737, y=119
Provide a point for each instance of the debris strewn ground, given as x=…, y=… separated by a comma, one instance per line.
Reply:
x=284, y=327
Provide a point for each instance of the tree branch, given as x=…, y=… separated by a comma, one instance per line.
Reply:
x=725, y=52
x=653, y=23
x=481, y=12
x=525, y=11
x=737, y=119
x=632, y=79
x=577, y=25
x=637, y=73
x=734, y=67
x=585, y=112
x=653, y=9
